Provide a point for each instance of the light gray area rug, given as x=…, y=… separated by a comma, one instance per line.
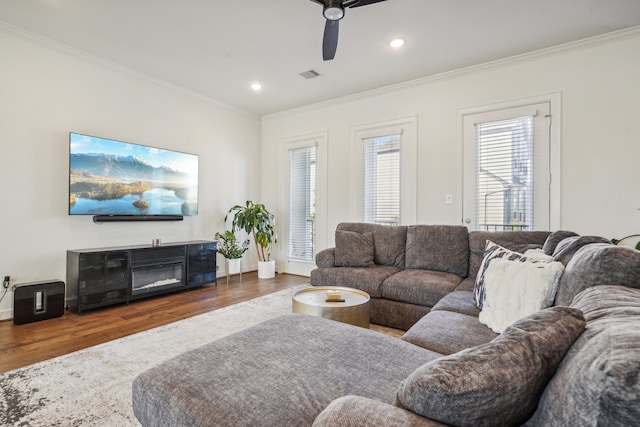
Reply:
x=92, y=387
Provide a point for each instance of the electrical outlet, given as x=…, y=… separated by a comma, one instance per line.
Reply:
x=448, y=199
x=6, y=282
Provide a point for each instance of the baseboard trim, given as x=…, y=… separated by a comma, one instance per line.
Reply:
x=6, y=314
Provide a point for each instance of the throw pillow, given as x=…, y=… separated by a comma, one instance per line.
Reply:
x=491, y=251
x=498, y=382
x=555, y=238
x=514, y=290
x=538, y=255
x=568, y=247
x=354, y=249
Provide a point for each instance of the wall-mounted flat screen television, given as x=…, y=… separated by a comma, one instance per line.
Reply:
x=108, y=177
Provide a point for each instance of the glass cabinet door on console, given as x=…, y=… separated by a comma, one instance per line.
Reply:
x=102, y=277
x=90, y=278
x=201, y=264
x=116, y=273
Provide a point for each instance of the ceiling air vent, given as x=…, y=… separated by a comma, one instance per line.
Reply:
x=310, y=74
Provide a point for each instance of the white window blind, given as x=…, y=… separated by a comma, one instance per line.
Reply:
x=302, y=203
x=505, y=174
x=382, y=179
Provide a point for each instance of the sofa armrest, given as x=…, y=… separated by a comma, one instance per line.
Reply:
x=357, y=411
x=326, y=258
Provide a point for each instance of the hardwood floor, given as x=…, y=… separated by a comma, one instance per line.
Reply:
x=22, y=345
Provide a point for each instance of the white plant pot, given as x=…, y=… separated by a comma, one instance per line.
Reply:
x=234, y=266
x=266, y=269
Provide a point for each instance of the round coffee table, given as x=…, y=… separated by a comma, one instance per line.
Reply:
x=354, y=309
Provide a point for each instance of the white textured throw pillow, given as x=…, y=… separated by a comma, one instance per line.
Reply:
x=515, y=289
x=538, y=255
x=494, y=251
x=491, y=251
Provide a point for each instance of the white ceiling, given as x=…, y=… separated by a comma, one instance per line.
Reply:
x=216, y=48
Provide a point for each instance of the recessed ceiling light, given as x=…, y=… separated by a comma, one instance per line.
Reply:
x=396, y=43
x=256, y=86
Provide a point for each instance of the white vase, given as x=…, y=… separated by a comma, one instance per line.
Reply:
x=266, y=269
x=234, y=266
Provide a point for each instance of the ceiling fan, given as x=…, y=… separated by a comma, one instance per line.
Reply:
x=333, y=12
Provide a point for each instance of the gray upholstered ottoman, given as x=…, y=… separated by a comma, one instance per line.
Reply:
x=283, y=372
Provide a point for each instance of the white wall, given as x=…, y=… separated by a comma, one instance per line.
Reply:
x=599, y=84
x=46, y=92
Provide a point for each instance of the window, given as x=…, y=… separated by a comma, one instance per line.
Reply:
x=302, y=189
x=504, y=182
x=382, y=179
x=302, y=203
x=384, y=173
x=507, y=165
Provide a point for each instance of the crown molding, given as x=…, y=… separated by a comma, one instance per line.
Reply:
x=516, y=59
x=554, y=50
x=42, y=41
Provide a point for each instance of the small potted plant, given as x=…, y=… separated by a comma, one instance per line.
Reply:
x=232, y=250
x=255, y=219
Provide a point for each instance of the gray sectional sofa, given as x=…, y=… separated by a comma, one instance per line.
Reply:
x=413, y=267
x=575, y=363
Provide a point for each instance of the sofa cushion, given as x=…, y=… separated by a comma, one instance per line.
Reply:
x=395, y=314
x=389, y=241
x=423, y=287
x=514, y=290
x=599, y=378
x=567, y=248
x=501, y=380
x=439, y=248
x=518, y=241
x=555, y=238
x=467, y=285
x=599, y=264
x=367, y=279
x=448, y=332
x=354, y=249
x=458, y=302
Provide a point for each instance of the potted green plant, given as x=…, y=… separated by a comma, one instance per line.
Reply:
x=632, y=241
x=232, y=250
x=255, y=219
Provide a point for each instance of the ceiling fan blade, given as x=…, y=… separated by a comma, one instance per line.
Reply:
x=330, y=40
x=359, y=3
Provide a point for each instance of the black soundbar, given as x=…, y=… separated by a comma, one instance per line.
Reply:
x=125, y=218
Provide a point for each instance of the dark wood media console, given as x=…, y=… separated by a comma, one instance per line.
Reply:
x=104, y=276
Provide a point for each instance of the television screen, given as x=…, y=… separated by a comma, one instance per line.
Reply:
x=108, y=177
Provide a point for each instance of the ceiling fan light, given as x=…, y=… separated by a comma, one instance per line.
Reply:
x=333, y=12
